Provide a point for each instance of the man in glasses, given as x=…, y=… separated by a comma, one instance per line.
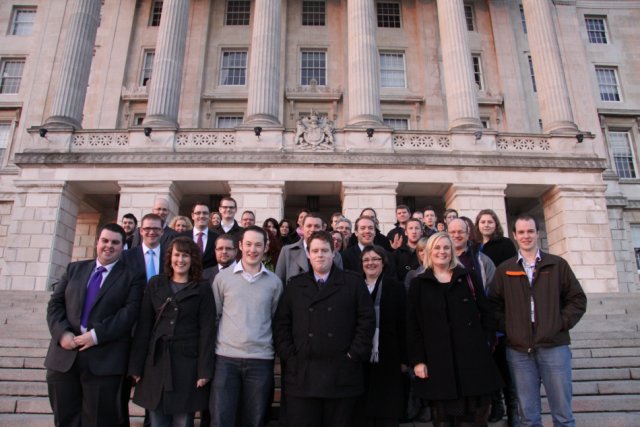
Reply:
x=161, y=209
x=147, y=258
x=228, y=225
x=202, y=235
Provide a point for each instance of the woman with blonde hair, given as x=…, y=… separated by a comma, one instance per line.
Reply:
x=449, y=336
x=181, y=224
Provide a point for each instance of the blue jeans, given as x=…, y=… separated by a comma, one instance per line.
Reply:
x=159, y=419
x=240, y=387
x=552, y=366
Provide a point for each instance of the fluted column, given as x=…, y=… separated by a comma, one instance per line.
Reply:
x=264, y=66
x=553, y=94
x=68, y=101
x=364, y=68
x=461, y=90
x=164, y=93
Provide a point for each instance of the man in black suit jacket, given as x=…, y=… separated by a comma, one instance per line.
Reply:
x=139, y=257
x=202, y=235
x=90, y=336
x=228, y=225
x=160, y=208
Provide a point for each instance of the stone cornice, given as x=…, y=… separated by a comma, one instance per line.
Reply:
x=405, y=160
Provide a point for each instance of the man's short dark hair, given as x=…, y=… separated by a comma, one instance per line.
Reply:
x=227, y=237
x=405, y=207
x=312, y=215
x=199, y=203
x=429, y=208
x=416, y=220
x=116, y=228
x=229, y=199
x=249, y=212
x=368, y=218
x=323, y=235
x=152, y=217
x=131, y=217
x=257, y=229
x=526, y=217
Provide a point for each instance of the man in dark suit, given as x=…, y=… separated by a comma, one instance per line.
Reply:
x=365, y=231
x=323, y=330
x=202, y=235
x=90, y=316
x=129, y=223
x=228, y=225
x=148, y=258
x=226, y=251
x=160, y=208
x=293, y=258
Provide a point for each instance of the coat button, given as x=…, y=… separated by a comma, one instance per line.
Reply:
x=469, y=324
x=329, y=334
x=172, y=322
x=310, y=334
x=329, y=308
x=311, y=309
x=175, y=309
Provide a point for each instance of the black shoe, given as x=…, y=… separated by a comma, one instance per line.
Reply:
x=497, y=412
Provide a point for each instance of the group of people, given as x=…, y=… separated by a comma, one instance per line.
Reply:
x=191, y=313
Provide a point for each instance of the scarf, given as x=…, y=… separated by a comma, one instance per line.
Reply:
x=375, y=352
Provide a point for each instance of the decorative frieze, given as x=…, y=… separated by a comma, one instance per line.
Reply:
x=524, y=143
x=405, y=142
x=205, y=139
x=100, y=140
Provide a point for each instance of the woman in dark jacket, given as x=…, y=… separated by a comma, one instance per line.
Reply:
x=382, y=403
x=449, y=329
x=173, y=350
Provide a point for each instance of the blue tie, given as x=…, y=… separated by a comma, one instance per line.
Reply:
x=92, y=292
x=151, y=266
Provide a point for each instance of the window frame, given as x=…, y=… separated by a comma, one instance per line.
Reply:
x=629, y=158
x=222, y=67
x=144, y=67
x=534, y=85
x=523, y=18
x=470, y=19
x=227, y=116
x=155, y=16
x=302, y=68
x=636, y=249
x=311, y=14
x=387, y=118
x=14, y=24
x=605, y=36
x=478, y=75
x=617, y=86
x=3, y=64
x=404, y=68
x=388, y=19
x=237, y=17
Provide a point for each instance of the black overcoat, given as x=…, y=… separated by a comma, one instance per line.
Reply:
x=315, y=331
x=178, y=351
x=384, y=394
x=450, y=329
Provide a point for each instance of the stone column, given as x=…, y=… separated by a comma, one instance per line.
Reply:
x=468, y=199
x=553, y=94
x=41, y=235
x=622, y=244
x=461, y=90
x=578, y=230
x=137, y=197
x=264, y=198
x=379, y=196
x=264, y=102
x=363, y=62
x=164, y=92
x=68, y=101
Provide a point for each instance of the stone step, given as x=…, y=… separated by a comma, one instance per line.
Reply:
x=30, y=342
x=606, y=362
x=23, y=388
x=601, y=374
x=605, y=342
x=22, y=375
x=607, y=326
x=602, y=403
x=25, y=333
x=22, y=362
x=26, y=352
x=622, y=419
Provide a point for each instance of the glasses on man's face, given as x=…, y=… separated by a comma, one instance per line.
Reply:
x=203, y=213
x=225, y=249
x=366, y=260
x=151, y=229
x=228, y=207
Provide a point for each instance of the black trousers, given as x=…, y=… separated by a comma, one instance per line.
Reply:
x=81, y=399
x=318, y=412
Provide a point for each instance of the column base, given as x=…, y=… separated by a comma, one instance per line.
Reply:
x=160, y=121
x=465, y=123
x=561, y=127
x=61, y=123
x=262, y=120
x=365, y=121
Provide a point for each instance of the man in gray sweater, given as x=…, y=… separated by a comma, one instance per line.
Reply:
x=246, y=299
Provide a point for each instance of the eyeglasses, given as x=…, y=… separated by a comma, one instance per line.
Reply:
x=225, y=249
x=227, y=207
x=203, y=213
x=151, y=229
x=364, y=260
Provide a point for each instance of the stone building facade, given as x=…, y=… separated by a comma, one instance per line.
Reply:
x=333, y=105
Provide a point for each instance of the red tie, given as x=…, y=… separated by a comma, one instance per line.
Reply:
x=199, y=242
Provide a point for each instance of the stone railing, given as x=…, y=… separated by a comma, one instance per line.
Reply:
x=205, y=139
x=421, y=141
x=522, y=143
x=99, y=140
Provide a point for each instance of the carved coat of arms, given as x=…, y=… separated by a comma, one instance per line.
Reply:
x=314, y=132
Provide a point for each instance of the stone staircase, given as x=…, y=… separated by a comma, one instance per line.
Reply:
x=606, y=351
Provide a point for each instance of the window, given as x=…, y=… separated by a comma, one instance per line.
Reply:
x=533, y=76
x=22, y=22
x=635, y=237
x=388, y=14
x=237, y=12
x=620, y=145
x=608, y=84
x=234, y=68
x=313, y=67
x=396, y=123
x=596, y=30
x=226, y=122
x=11, y=75
x=5, y=131
x=156, y=13
x=313, y=12
x=523, y=20
x=138, y=119
x=392, y=69
x=147, y=67
x=477, y=71
x=486, y=122
x=469, y=17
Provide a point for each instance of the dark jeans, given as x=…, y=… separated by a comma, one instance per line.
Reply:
x=240, y=387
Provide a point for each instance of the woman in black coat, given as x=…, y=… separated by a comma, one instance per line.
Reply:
x=449, y=329
x=382, y=403
x=173, y=350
